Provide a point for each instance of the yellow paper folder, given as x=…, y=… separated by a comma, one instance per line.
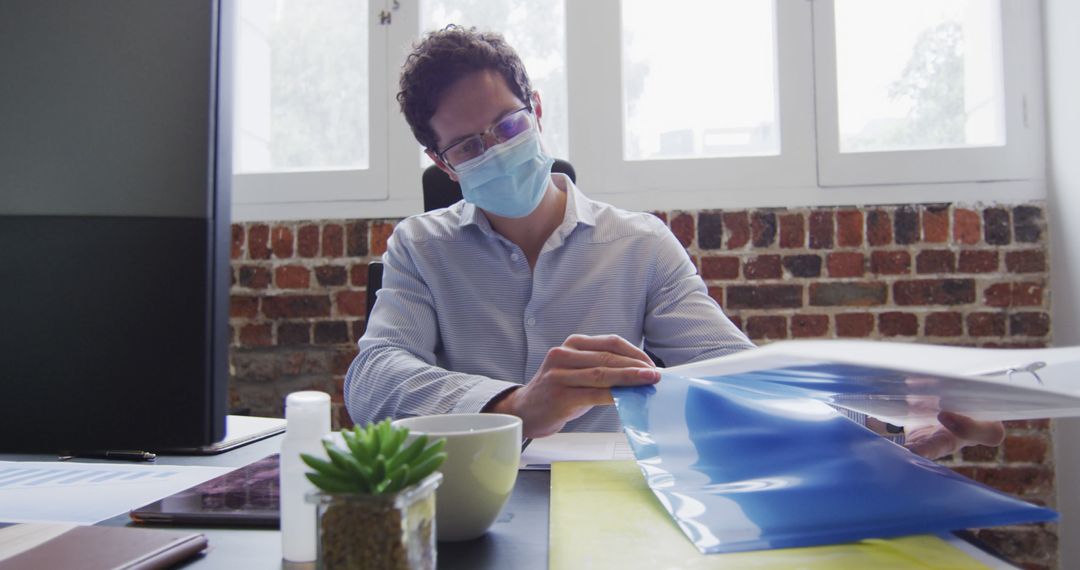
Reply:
x=603, y=515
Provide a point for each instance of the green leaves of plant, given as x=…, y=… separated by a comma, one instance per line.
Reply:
x=374, y=461
x=426, y=467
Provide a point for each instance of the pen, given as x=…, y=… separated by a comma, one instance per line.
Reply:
x=121, y=454
x=526, y=443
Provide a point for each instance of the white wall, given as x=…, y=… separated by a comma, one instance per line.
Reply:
x=1061, y=20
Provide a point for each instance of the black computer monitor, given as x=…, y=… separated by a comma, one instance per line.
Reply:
x=114, y=224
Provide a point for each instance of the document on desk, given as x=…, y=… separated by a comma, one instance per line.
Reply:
x=540, y=453
x=739, y=469
x=906, y=383
x=604, y=513
x=87, y=493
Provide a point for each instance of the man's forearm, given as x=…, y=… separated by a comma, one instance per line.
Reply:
x=391, y=382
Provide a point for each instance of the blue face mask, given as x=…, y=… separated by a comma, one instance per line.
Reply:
x=509, y=179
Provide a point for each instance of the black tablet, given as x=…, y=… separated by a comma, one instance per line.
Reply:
x=247, y=496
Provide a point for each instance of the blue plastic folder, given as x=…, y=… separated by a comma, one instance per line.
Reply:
x=740, y=468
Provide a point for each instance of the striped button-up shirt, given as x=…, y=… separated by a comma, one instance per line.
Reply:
x=461, y=317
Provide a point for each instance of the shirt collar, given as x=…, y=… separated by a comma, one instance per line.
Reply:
x=472, y=216
x=579, y=208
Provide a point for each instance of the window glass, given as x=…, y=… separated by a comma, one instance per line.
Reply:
x=301, y=99
x=919, y=74
x=699, y=79
x=536, y=29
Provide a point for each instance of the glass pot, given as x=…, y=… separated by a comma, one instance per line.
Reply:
x=357, y=531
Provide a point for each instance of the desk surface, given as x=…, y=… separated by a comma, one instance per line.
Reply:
x=518, y=539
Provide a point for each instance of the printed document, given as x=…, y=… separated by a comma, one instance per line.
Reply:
x=906, y=383
x=87, y=493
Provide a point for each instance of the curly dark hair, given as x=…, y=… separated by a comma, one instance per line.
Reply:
x=444, y=56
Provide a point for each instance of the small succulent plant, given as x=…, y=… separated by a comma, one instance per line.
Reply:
x=376, y=462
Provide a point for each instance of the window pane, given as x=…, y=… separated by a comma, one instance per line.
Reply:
x=302, y=85
x=919, y=74
x=536, y=29
x=699, y=79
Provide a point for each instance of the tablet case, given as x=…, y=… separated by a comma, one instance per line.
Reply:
x=247, y=496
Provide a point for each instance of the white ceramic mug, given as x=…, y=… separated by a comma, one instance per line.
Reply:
x=483, y=451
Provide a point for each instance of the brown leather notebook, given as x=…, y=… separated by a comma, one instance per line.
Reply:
x=95, y=547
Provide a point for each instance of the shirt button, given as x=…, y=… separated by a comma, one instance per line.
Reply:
x=531, y=321
x=513, y=257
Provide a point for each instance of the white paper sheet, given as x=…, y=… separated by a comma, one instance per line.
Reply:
x=984, y=558
x=540, y=453
x=87, y=493
x=907, y=384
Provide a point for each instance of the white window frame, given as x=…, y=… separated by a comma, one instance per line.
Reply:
x=803, y=174
x=594, y=39
x=1019, y=159
x=388, y=187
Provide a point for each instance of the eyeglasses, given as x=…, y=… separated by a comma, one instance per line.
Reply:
x=507, y=127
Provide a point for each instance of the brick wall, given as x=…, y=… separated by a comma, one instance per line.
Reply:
x=941, y=273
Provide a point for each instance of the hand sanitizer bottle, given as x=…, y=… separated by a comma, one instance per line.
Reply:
x=307, y=416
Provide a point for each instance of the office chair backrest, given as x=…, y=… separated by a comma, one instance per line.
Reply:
x=440, y=191
x=374, y=282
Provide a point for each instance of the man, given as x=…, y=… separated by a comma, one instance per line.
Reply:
x=528, y=298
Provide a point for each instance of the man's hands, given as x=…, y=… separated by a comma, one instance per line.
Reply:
x=573, y=378
x=579, y=374
x=953, y=433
